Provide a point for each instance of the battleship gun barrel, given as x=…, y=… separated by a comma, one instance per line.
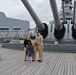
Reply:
x=59, y=28
x=42, y=27
x=74, y=21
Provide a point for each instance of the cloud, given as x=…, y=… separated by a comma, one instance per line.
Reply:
x=16, y=9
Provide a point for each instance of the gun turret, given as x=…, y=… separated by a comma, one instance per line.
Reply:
x=74, y=21
x=42, y=27
x=59, y=30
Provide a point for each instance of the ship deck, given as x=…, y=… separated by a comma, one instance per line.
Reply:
x=12, y=63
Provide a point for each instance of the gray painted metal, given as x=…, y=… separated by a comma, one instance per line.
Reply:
x=68, y=43
x=74, y=15
x=64, y=18
x=33, y=14
x=13, y=46
x=58, y=25
x=60, y=48
x=48, y=46
x=0, y=57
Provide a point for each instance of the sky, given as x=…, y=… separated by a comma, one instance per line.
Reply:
x=15, y=9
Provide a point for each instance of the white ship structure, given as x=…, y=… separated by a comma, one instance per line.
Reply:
x=60, y=34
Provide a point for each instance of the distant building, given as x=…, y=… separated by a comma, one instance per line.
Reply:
x=12, y=26
x=13, y=23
